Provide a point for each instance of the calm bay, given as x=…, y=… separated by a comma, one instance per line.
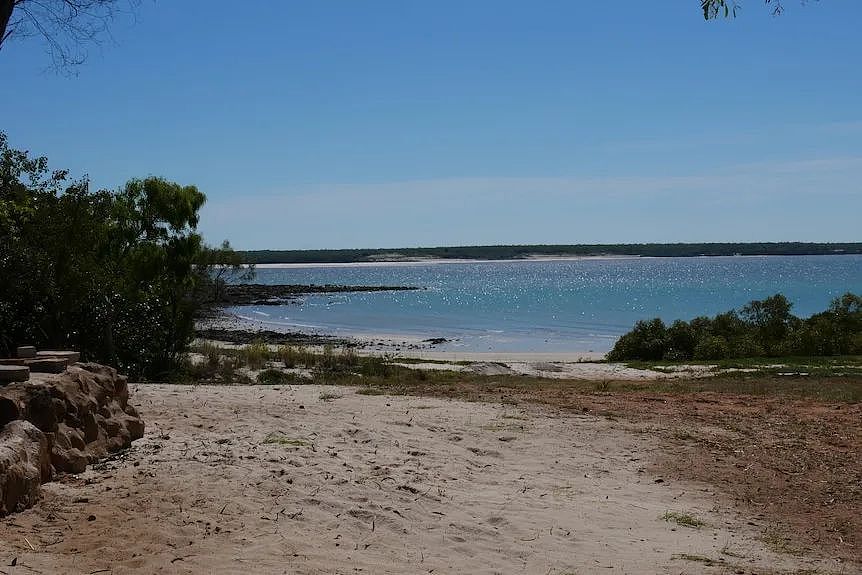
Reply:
x=544, y=305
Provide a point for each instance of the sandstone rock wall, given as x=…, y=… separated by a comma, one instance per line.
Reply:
x=60, y=423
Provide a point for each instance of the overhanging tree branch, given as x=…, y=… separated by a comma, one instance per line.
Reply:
x=68, y=27
x=727, y=8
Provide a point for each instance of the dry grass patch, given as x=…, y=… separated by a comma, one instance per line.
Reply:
x=683, y=519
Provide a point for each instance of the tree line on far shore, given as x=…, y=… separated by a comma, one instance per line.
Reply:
x=118, y=275
x=526, y=251
x=762, y=328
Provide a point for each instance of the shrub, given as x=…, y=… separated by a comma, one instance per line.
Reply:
x=288, y=355
x=255, y=354
x=746, y=346
x=766, y=329
x=727, y=325
x=210, y=351
x=771, y=319
x=118, y=275
x=712, y=347
x=373, y=366
x=681, y=338
x=277, y=377
x=647, y=341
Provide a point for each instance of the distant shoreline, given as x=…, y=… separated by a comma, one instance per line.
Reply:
x=537, y=259
x=474, y=254
x=435, y=261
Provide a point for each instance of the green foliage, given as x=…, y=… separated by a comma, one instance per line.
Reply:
x=711, y=347
x=648, y=340
x=254, y=355
x=771, y=320
x=681, y=340
x=763, y=328
x=278, y=377
x=118, y=275
x=330, y=365
x=747, y=345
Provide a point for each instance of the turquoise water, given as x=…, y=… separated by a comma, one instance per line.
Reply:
x=548, y=306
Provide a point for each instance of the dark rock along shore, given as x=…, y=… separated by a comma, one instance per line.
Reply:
x=260, y=294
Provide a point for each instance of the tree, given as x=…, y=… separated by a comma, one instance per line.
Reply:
x=66, y=26
x=647, y=341
x=119, y=275
x=771, y=319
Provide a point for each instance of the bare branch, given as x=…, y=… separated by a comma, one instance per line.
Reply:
x=728, y=8
x=67, y=27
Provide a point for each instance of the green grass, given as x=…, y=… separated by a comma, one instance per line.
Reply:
x=254, y=355
x=683, y=519
x=277, y=377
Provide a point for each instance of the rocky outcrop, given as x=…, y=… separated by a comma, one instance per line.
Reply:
x=60, y=423
x=264, y=294
x=25, y=463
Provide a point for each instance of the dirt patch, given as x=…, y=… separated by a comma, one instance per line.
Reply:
x=792, y=465
x=273, y=479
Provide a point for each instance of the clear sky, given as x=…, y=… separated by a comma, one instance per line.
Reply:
x=330, y=124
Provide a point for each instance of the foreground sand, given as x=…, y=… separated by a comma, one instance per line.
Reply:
x=292, y=480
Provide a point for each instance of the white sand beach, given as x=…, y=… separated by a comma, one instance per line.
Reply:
x=311, y=479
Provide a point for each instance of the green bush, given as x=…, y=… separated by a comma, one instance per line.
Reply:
x=712, y=347
x=764, y=328
x=681, y=340
x=647, y=341
x=255, y=355
x=288, y=355
x=119, y=275
x=746, y=346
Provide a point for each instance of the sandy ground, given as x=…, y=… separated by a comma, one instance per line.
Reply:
x=555, y=369
x=569, y=365
x=310, y=479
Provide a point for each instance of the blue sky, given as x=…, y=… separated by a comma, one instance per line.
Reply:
x=329, y=124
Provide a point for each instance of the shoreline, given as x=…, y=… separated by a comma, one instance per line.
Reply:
x=417, y=261
x=436, y=261
x=247, y=294
x=234, y=329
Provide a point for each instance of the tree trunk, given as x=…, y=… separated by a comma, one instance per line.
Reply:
x=6, y=8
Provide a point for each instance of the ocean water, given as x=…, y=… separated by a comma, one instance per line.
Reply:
x=546, y=306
